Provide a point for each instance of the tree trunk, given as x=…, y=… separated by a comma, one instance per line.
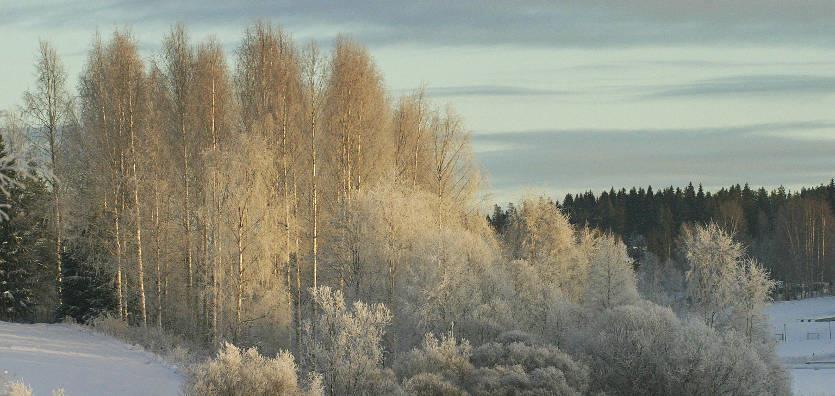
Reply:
x=240, y=291
x=120, y=296
x=158, y=256
x=186, y=212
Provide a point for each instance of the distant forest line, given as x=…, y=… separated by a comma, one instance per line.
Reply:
x=790, y=232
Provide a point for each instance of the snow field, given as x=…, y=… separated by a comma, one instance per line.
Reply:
x=52, y=356
x=808, y=349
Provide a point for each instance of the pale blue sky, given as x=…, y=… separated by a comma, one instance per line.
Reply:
x=560, y=96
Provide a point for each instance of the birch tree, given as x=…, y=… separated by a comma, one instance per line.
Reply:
x=215, y=116
x=611, y=281
x=356, y=116
x=48, y=105
x=452, y=176
x=313, y=80
x=713, y=257
x=104, y=154
x=129, y=92
x=179, y=72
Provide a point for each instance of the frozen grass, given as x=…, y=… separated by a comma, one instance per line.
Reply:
x=173, y=349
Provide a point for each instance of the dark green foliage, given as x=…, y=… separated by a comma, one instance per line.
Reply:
x=88, y=289
x=26, y=273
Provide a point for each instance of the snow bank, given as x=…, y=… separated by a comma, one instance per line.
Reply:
x=52, y=356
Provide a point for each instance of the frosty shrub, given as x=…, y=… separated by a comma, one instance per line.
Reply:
x=445, y=358
x=16, y=388
x=344, y=345
x=646, y=349
x=246, y=372
x=514, y=364
x=427, y=384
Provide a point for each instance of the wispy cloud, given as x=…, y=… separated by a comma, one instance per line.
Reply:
x=491, y=90
x=750, y=85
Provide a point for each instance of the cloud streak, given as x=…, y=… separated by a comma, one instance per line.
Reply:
x=591, y=23
x=491, y=90
x=758, y=85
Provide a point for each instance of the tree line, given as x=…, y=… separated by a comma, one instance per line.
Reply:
x=790, y=233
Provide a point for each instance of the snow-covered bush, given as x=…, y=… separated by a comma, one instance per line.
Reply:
x=15, y=388
x=515, y=362
x=238, y=372
x=511, y=365
x=427, y=384
x=646, y=349
x=445, y=358
x=344, y=345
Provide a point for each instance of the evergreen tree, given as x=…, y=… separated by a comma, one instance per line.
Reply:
x=26, y=291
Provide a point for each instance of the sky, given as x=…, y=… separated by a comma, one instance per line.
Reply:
x=560, y=96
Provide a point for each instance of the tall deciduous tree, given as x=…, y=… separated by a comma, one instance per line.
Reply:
x=179, y=73
x=48, y=105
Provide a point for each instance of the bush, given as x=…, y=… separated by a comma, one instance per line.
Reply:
x=238, y=372
x=17, y=388
x=344, y=345
x=427, y=384
x=515, y=362
x=513, y=365
x=445, y=358
x=646, y=349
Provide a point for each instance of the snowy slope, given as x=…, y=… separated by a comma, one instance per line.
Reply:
x=51, y=356
x=809, y=347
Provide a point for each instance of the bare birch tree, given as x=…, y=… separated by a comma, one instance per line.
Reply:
x=48, y=105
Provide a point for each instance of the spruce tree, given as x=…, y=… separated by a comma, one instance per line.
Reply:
x=26, y=290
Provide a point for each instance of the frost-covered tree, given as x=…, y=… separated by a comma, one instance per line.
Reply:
x=754, y=287
x=714, y=258
x=246, y=181
x=541, y=234
x=49, y=106
x=722, y=283
x=611, y=279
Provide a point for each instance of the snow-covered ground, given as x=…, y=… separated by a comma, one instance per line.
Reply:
x=52, y=356
x=808, y=348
